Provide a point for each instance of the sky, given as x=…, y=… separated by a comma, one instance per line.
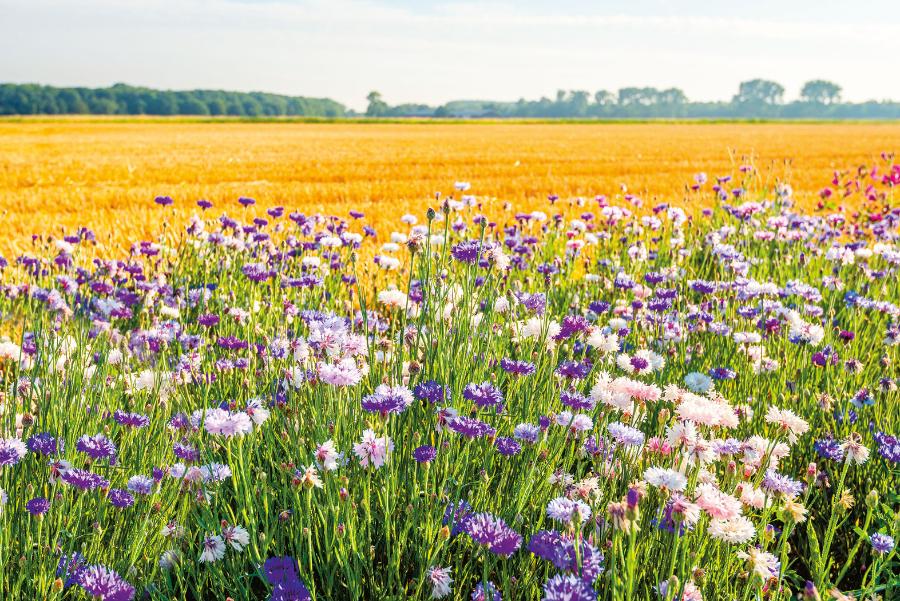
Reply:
x=435, y=51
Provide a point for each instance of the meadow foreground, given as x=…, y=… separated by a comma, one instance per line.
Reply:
x=567, y=403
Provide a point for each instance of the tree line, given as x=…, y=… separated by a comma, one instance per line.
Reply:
x=121, y=99
x=755, y=99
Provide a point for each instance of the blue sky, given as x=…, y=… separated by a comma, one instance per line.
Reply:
x=434, y=51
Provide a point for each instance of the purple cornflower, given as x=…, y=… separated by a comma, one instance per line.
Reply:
x=38, y=506
x=575, y=400
x=572, y=325
x=517, y=368
x=535, y=303
x=100, y=581
x=470, y=427
x=43, y=444
x=575, y=370
x=120, y=498
x=493, y=533
x=69, y=566
x=257, y=272
x=829, y=448
x=425, y=454
x=722, y=373
x=598, y=307
x=431, y=391
x=163, y=201
x=204, y=204
x=565, y=587
x=134, y=420
x=232, y=343
x=484, y=395
x=703, y=287
x=185, y=452
x=507, y=446
x=246, y=201
x=560, y=551
x=881, y=543
x=84, y=479
x=208, y=320
x=388, y=399
x=888, y=446
x=12, y=450
x=97, y=447
x=281, y=572
x=467, y=251
x=456, y=515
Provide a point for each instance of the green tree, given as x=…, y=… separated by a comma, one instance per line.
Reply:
x=820, y=91
x=760, y=92
x=377, y=107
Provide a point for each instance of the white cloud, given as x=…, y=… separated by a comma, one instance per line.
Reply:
x=343, y=48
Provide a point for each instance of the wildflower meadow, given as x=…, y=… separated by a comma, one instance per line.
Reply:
x=585, y=401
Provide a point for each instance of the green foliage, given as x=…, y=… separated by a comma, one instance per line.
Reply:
x=121, y=99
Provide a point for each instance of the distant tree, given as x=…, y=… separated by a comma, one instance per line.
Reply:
x=820, y=91
x=603, y=97
x=760, y=92
x=578, y=103
x=671, y=96
x=377, y=107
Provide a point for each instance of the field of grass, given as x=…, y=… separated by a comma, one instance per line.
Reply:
x=352, y=388
x=69, y=173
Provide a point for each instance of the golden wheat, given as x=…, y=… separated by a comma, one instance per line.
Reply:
x=57, y=175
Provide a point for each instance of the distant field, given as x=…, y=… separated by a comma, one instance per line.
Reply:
x=57, y=175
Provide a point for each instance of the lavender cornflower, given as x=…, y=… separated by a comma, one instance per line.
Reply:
x=776, y=483
x=625, y=435
x=881, y=543
x=12, y=450
x=100, y=581
x=140, y=484
x=565, y=510
x=527, y=432
x=565, y=587
x=484, y=395
x=388, y=399
x=493, y=533
x=486, y=591
x=83, y=479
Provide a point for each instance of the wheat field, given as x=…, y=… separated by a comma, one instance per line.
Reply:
x=58, y=175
